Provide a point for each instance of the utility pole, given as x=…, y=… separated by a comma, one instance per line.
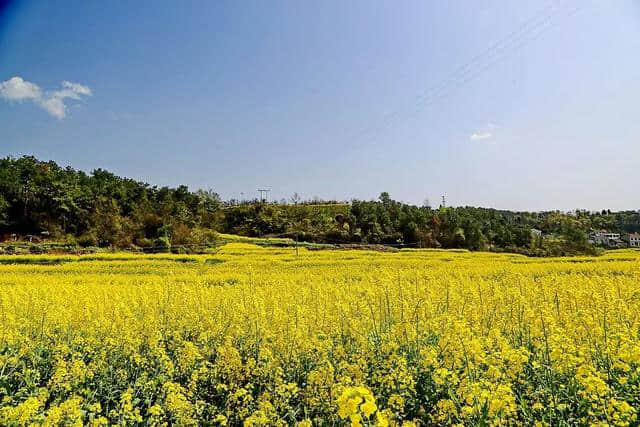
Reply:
x=264, y=195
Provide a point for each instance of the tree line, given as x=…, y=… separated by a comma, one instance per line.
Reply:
x=100, y=208
x=389, y=222
x=103, y=209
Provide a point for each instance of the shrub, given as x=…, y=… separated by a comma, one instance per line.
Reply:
x=182, y=250
x=205, y=236
x=36, y=249
x=162, y=244
x=88, y=239
x=70, y=239
x=182, y=235
x=143, y=242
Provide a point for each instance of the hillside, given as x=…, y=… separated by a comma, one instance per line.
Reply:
x=42, y=201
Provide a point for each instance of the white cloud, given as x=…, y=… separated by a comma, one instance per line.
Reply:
x=479, y=136
x=77, y=88
x=17, y=89
x=483, y=134
x=53, y=102
x=54, y=106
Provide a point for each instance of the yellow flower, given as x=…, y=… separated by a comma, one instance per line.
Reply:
x=355, y=402
x=368, y=408
x=256, y=334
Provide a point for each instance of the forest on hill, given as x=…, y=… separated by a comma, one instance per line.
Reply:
x=100, y=209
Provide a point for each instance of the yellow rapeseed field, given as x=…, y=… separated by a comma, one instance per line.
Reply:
x=260, y=336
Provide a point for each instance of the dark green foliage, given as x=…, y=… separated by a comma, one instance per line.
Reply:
x=389, y=222
x=102, y=209
x=36, y=249
x=161, y=244
x=4, y=211
x=87, y=239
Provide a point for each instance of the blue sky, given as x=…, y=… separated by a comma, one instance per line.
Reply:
x=515, y=105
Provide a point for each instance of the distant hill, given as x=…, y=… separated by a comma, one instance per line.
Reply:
x=41, y=199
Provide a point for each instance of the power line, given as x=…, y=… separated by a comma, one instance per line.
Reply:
x=533, y=28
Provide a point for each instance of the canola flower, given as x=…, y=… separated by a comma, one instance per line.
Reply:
x=260, y=337
x=356, y=403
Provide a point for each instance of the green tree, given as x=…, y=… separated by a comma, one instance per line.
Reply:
x=4, y=211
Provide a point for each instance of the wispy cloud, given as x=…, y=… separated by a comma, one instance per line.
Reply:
x=483, y=134
x=480, y=136
x=53, y=102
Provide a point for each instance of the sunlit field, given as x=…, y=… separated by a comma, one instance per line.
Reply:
x=262, y=336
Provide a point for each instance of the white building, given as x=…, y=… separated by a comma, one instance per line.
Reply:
x=604, y=238
x=632, y=239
